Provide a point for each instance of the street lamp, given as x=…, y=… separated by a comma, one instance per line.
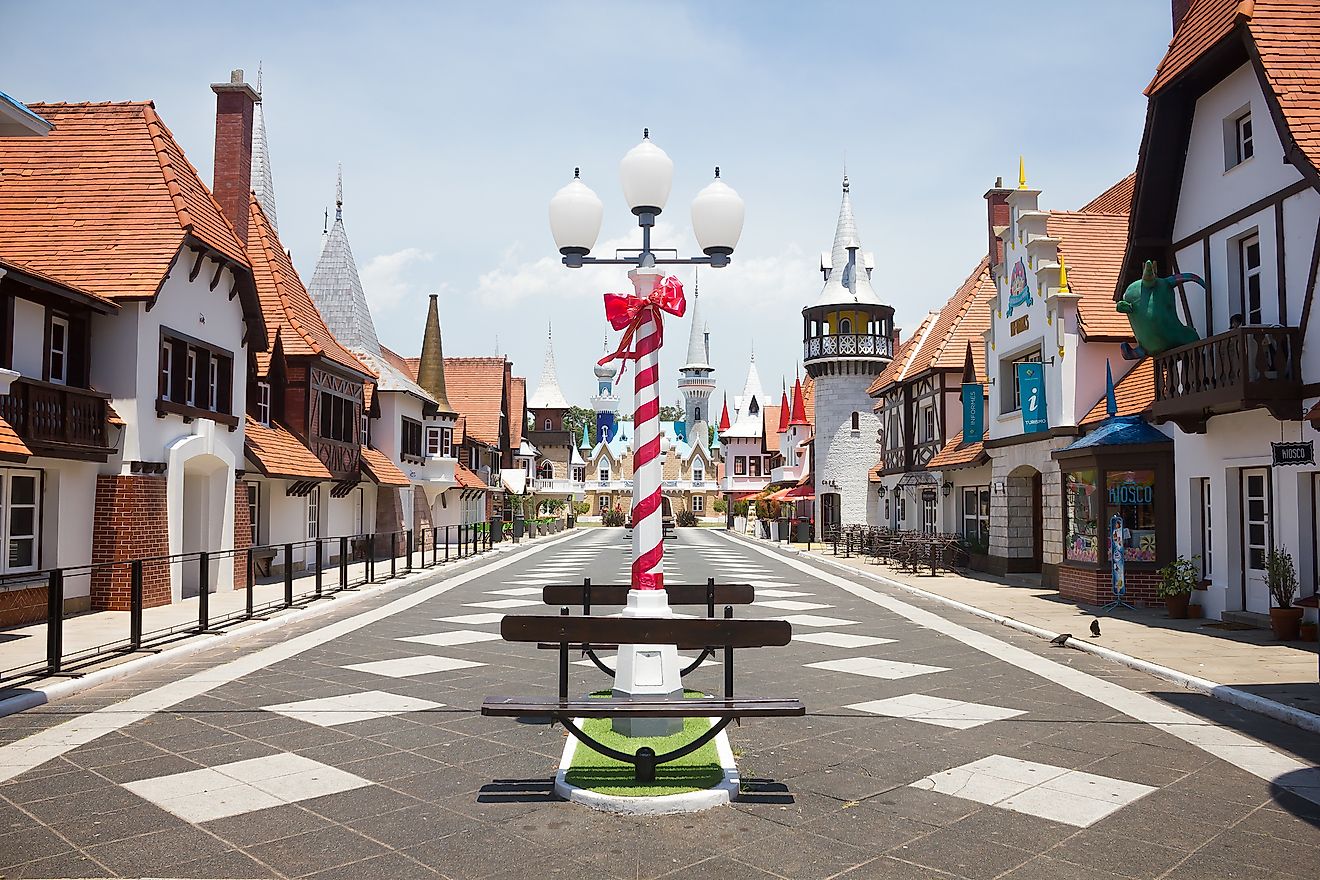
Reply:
x=647, y=176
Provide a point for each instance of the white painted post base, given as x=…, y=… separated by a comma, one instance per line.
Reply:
x=647, y=672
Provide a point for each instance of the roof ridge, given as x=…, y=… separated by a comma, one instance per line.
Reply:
x=145, y=103
x=277, y=273
x=158, y=132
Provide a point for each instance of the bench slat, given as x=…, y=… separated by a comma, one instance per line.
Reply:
x=714, y=632
x=517, y=707
x=679, y=594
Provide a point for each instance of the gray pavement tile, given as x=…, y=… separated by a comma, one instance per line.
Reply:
x=96, y=828
x=32, y=786
x=867, y=829
x=1017, y=830
x=67, y=864
x=315, y=851
x=411, y=826
x=29, y=844
x=263, y=826
x=391, y=765
x=1302, y=829
x=223, y=866
x=974, y=859
x=1206, y=866
x=844, y=782
x=1279, y=857
x=484, y=851
x=1044, y=868
x=391, y=866
x=146, y=768
x=355, y=803
x=14, y=819
x=718, y=868
x=800, y=854
x=155, y=853
x=1107, y=851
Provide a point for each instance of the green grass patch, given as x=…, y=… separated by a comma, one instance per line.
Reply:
x=694, y=772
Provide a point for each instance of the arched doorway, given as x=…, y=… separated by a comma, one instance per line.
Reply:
x=1026, y=519
x=199, y=500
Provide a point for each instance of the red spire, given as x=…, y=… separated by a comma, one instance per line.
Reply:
x=783, y=412
x=799, y=416
x=724, y=416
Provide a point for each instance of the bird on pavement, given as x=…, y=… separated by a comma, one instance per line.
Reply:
x=1095, y=629
x=1060, y=640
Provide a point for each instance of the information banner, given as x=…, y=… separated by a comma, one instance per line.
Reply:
x=973, y=403
x=1031, y=396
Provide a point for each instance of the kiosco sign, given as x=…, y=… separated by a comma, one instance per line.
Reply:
x=1302, y=452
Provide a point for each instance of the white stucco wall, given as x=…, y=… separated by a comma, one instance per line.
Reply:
x=68, y=488
x=843, y=455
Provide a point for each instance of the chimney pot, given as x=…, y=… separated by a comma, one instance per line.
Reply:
x=231, y=182
x=236, y=76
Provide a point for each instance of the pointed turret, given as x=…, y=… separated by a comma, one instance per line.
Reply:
x=799, y=406
x=784, y=412
x=724, y=416
x=431, y=365
x=337, y=288
x=697, y=356
x=697, y=377
x=847, y=275
x=548, y=394
x=751, y=389
x=585, y=442
x=263, y=182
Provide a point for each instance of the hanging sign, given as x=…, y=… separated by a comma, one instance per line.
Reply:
x=1302, y=452
x=973, y=404
x=1117, y=579
x=1031, y=396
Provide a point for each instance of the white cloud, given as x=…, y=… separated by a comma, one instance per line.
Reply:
x=386, y=277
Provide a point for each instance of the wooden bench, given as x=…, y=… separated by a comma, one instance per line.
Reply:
x=588, y=594
x=702, y=633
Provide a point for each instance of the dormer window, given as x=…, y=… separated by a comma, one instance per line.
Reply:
x=263, y=403
x=753, y=407
x=1239, y=138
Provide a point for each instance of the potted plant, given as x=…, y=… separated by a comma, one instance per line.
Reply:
x=1281, y=575
x=1177, y=581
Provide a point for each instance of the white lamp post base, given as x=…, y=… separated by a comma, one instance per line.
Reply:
x=647, y=672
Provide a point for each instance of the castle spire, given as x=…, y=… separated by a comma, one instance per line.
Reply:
x=1022, y=173
x=263, y=182
x=336, y=286
x=548, y=394
x=696, y=352
x=431, y=365
x=846, y=278
x=799, y=413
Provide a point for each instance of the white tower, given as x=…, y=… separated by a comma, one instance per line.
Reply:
x=697, y=381
x=847, y=340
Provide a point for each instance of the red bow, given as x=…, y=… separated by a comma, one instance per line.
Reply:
x=627, y=312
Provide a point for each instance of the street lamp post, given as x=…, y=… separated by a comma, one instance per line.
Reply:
x=646, y=174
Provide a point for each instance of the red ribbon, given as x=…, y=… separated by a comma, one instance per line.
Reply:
x=627, y=312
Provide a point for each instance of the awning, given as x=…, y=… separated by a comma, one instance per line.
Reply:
x=798, y=493
x=514, y=480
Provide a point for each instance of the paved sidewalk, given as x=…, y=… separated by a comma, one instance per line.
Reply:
x=1249, y=660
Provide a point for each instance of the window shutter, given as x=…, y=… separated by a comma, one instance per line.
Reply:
x=179, y=372
x=224, y=393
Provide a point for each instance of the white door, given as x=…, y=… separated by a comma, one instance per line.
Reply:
x=1255, y=538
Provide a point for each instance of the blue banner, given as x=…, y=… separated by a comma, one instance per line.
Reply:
x=1031, y=396
x=973, y=403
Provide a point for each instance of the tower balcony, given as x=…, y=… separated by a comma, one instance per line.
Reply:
x=833, y=345
x=847, y=338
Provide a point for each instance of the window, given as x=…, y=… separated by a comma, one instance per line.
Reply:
x=698, y=503
x=1131, y=495
x=698, y=474
x=166, y=381
x=338, y=417
x=604, y=503
x=432, y=441
x=1012, y=401
x=366, y=430
x=22, y=502
x=1246, y=146
x=263, y=403
x=193, y=375
x=845, y=326
x=740, y=465
x=1207, y=511
x=893, y=438
x=753, y=407
x=753, y=465
x=604, y=475
x=696, y=412
x=58, y=362
x=212, y=383
x=579, y=474
x=1249, y=260
x=928, y=423
x=976, y=517
x=410, y=438
x=190, y=380
x=1081, y=510
x=547, y=424
x=856, y=421
x=446, y=442
x=314, y=513
x=254, y=510
x=902, y=508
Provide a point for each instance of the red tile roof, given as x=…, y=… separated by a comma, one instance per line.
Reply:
x=279, y=454
x=407, y=366
x=475, y=386
x=1205, y=24
x=897, y=369
x=955, y=455
x=1115, y=200
x=1134, y=393
x=105, y=201
x=382, y=471
x=288, y=310
x=467, y=479
x=809, y=398
x=12, y=447
x=1092, y=247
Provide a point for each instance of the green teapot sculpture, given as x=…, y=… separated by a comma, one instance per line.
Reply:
x=1153, y=313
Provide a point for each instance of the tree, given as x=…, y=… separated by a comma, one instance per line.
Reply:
x=672, y=413
x=575, y=418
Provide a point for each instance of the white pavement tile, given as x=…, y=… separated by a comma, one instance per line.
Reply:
x=958, y=714
x=1056, y=793
x=840, y=640
x=780, y=594
x=472, y=619
x=876, y=668
x=243, y=786
x=453, y=637
x=405, y=667
x=793, y=605
x=363, y=706
x=515, y=591
x=502, y=603
x=817, y=620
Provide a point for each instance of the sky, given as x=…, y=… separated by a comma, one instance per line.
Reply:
x=455, y=123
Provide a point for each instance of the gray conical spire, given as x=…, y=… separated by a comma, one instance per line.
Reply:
x=337, y=289
x=548, y=394
x=847, y=281
x=697, y=357
x=431, y=365
x=263, y=182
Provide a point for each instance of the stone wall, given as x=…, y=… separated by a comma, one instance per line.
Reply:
x=1011, y=510
x=131, y=522
x=845, y=456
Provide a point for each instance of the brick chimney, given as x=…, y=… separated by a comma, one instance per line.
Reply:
x=997, y=214
x=232, y=181
x=1179, y=9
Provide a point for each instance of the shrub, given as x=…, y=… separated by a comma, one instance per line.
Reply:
x=686, y=519
x=719, y=505
x=582, y=508
x=612, y=518
x=740, y=508
x=1178, y=578
x=1281, y=575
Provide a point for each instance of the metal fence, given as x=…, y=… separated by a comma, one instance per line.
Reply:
x=151, y=599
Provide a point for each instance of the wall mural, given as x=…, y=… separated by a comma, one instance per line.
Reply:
x=1019, y=293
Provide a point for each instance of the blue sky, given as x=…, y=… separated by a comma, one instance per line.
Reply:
x=456, y=122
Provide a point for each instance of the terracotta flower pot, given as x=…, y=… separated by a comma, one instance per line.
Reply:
x=1307, y=632
x=1177, y=606
x=1286, y=623
x=1195, y=612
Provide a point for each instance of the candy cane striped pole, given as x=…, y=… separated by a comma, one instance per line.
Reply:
x=648, y=526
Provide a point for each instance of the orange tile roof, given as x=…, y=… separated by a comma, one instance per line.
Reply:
x=955, y=455
x=286, y=306
x=467, y=479
x=1287, y=37
x=382, y=471
x=770, y=425
x=517, y=410
x=279, y=454
x=1205, y=24
x=1115, y=200
x=809, y=399
x=1092, y=247
x=12, y=446
x=1134, y=393
x=105, y=201
x=897, y=369
x=475, y=386
x=17, y=269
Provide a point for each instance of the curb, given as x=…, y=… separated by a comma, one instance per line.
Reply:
x=1308, y=721
x=42, y=694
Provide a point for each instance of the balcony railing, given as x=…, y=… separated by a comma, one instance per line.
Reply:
x=847, y=345
x=57, y=419
x=1241, y=369
x=556, y=484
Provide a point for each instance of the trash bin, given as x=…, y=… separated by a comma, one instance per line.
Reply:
x=496, y=528
x=803, y=530
x=519, y=527
x=785, y=529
